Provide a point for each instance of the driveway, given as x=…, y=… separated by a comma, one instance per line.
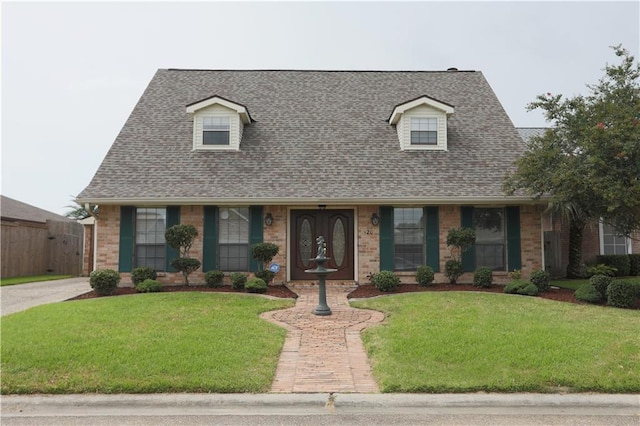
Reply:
x=16, y=298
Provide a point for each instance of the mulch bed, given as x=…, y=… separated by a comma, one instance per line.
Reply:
x=273, y=290
x=363, y=291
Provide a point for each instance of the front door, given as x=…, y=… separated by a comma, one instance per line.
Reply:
x=336, y=226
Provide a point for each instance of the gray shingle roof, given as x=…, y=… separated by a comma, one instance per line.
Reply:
x=318, y=135
x=17, y=210
x=527, y=133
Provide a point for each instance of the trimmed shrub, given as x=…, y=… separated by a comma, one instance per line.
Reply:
x=452, y=270
x=588, y=293
x=634, y=264
x=483, y=277
x=149, y=286
x=540, y=279
x=424, y=275
x=256, y=285
x=524, y=288
x=601, y=283
x=104, y=282
x=619, y=261
x=601, y=269
x=266, y=275
x=143, y=273
x=186, y=265
x=385, y=281
x=264, y=252
x=621, y=294
x=213, y=279
x=238, y=280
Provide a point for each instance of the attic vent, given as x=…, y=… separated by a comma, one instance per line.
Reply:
x=452, y=69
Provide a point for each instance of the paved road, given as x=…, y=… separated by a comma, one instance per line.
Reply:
x=306, y=409
x=16, y=298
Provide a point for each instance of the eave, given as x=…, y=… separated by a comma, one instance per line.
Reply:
x=310, y=201
x=242, y=110
x=400, y=109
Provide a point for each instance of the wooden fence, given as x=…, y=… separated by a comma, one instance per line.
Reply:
x=30, y=248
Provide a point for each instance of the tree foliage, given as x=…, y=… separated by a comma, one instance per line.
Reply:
x=180, y=237
x=588, y=162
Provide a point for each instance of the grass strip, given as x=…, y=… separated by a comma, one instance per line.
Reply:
x=468, y=342
x=31, y=279
x=147, y=343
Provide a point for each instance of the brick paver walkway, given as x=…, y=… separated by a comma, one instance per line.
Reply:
x=323, y=353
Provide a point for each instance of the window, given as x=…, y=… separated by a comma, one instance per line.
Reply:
x=408, y=238
x=612, y=242
x=150, y=243
x=215, y=130
x=490, y=238
x=424, y=131
x=233, y=240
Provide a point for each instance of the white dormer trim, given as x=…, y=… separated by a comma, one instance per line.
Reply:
x=242, y=111
x=426, y=108
x=399, y=110
x=238, y=116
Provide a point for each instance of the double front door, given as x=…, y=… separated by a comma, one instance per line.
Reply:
x=336, y=226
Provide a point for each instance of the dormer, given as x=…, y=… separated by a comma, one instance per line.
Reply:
x=218, y=123
x=422, y=124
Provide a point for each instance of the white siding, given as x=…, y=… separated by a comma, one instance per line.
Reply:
x=404, y=128
x=235, y=128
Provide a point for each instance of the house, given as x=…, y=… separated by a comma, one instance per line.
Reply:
x=598, y=238
x=382, y=164
x=37, y=242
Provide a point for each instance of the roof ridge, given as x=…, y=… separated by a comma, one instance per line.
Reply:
x=314, y=70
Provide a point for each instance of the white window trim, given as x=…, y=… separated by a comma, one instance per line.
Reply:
x=423, y=107
x=601, y=237
x=235, y=132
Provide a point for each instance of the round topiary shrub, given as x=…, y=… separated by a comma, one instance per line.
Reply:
x=256, y=285
x=143, y=273
x=213, y=279
x=104, y=282
x=588, y=293
x=424, y=275
x=483, y=277
x=600, y=283
x=385, y=281
x=238, y=280
x=453, y=269
x=541, y=279
x=621, y=294
x=530, y=289
x=149, y=286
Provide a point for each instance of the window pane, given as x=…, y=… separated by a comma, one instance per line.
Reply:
x=612, y=242
x=150, y=243
x=215, y=137
x=423, y=137
x=233, y=239
x=490, y=238
x=408, y=238
x=215, y=123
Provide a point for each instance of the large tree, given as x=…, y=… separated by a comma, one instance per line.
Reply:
x=588, y=162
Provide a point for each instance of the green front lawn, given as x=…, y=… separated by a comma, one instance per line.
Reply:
x=467, y=342
x=172, y=342
x=31, y=279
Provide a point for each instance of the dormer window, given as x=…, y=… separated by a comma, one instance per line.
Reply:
x=218, y=124
x=215, y=130
x=422, y=124
x=424, y=131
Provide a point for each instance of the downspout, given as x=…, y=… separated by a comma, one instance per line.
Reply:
x=94, y=239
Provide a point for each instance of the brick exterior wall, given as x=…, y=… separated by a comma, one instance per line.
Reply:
x=367, y=243
x=277, y=234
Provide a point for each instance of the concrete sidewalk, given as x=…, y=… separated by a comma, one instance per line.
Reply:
x=230, y=404
x=20, y=297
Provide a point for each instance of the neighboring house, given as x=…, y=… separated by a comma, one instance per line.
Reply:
x=598, y=238
x=37, y=241
x=382, y=164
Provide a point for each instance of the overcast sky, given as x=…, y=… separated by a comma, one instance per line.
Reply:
x=72, y=72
